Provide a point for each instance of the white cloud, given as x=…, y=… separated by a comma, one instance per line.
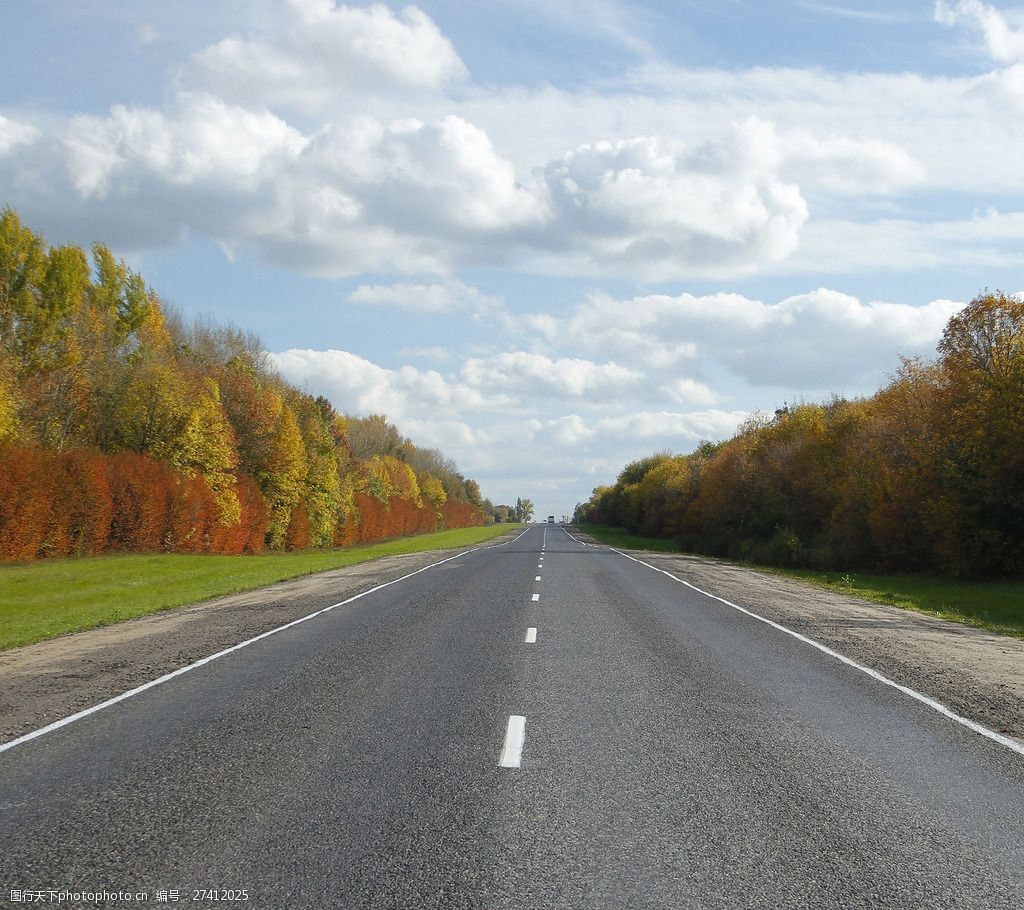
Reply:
x=1004, y=43
x=683, y=390
x=411, y=196
x=812, y=343
x=986, y=240
x=844, y=165
x=322, y=49
x=359, y=386
x=671, y=173
x=677, y=431
x=406, y=196
x=203, y=141
x=908, y=131
x=447, y=297
x=14, y=133
x=664, y=209
x=535, y=375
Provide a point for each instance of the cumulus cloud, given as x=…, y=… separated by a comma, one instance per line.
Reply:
x=1003, y=42
x=487, y=413
x=412, y=196
x=672, y=209
x=358, y=386
x=684, y=390
x=537, y=375
x=322, y=49
x=812, y=343
x=406, y=196
x=204, y=141
x=670, y=173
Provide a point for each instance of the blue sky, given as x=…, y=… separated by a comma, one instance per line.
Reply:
x=548, y=238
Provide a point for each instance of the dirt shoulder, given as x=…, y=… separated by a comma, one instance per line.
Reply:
x=44, y=682
x=976, y=673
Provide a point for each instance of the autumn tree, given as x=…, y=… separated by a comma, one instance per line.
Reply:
x=123, y=426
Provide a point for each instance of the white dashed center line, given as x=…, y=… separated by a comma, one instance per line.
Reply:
x=535, y=597
x=537, y=578
x=512, y=753
x=531, y=635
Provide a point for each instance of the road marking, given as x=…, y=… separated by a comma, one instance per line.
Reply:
x=531, y=635
x=1006, y=741
x=539, y=566
x=512, y=752
x=203, y=661
x=573, y=538
x=537, y=578
x=535, y=597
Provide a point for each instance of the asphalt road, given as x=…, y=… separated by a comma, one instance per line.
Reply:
x=676, y=753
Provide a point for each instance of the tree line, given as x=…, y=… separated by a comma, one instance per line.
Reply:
x=927, y=474
x=122, y=427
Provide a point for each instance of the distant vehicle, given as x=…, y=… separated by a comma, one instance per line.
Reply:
x=551, y=519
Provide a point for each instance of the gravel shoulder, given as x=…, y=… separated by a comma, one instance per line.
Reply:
x=44, y=682
x=976, y=673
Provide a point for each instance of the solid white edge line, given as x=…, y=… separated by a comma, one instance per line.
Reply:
x=70, y=719
x=531, y=635
x=507, y=542
x=535, y=597
x=1011, y=744
x=512, y=751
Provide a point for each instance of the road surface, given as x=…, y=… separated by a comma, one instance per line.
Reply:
x=542, y=724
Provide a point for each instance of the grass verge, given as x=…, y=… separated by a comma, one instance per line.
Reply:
x=43, y=599
x=994, y=605
x=620, y=537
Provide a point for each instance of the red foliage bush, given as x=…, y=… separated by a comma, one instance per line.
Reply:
x=78, y=503
x=26, y=498
x=461, y=515
x=376, y=521
x=142, y=493
x=82, y=507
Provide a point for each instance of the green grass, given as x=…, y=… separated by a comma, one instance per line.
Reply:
x=994, y=605
x=43, y=599
x=620, y=537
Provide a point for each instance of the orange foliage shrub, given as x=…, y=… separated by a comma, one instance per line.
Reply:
x=376, y=521
x=26, y=498
x=79, y=503
x=142, y=493
x=461, y=515
x=82, y=507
